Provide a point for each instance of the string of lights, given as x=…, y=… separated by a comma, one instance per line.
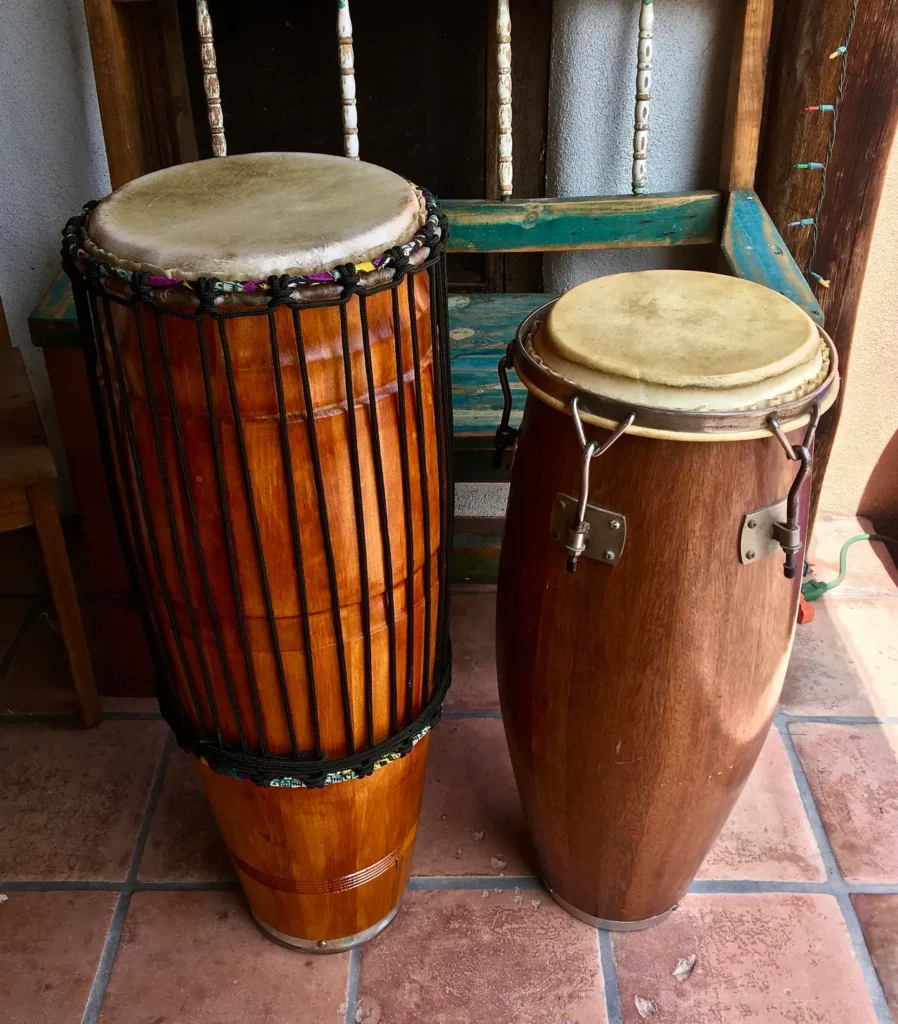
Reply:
x=833, y=109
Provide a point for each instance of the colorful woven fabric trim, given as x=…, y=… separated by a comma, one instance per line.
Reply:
x=421, y=238
x=290, y=782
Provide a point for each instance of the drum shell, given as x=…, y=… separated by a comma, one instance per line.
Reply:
x=143, y=339
x=323, y=864
x=636, y=698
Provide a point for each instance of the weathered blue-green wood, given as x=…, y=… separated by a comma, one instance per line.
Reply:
x=755, y=250
x=480, y=328
x=53, y=322
x=605, y=222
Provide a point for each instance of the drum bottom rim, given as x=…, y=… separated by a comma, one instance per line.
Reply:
x=325, y=947
x=604, y=923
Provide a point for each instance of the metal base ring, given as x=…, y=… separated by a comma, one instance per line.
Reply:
x=322, y=946
x=610, y=926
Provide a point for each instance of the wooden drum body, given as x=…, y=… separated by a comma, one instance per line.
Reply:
x=637, y=691
x=279, y=447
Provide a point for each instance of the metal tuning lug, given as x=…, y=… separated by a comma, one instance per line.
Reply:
x=788, y=534
x=593, y=532
x=506, y=435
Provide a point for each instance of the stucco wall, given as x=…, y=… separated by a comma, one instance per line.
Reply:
x=51, y=161
x=591, y=105
x=863, y=469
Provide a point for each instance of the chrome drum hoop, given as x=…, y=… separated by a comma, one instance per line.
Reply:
x=740, y=421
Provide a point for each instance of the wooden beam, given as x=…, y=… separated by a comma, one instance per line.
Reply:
x=116, y=90
x=755, y=250
x=804, y=76
x=605, y=222
x=745, y=97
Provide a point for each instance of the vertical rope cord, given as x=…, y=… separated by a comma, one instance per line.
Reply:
x=503, y=64
x=211, y=85
x=167, y=492
x=831, y=144
x=411, y=284
x=324, y=521
x=256, y=531
x=149, y=533
x=643, y=96
x=347, y=81
x=406, y=510
x=175, y=540
x=224, y=508
x=377, y=455
x=299, y=561
x=359, y=510
x=171, y=707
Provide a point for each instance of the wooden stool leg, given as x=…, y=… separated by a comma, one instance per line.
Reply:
x=62, y=586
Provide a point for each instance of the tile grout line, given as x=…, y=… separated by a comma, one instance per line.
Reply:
x=840, y=719
x=838, y=884
x=117, y=924
x=15, y=645
x=352, y=984
x=613, y=1007
x=466, y=883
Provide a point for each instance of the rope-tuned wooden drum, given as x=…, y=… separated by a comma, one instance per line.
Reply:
x=267, y=342
x=650, y=571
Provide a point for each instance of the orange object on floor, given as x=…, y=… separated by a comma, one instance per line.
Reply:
x=806, y=611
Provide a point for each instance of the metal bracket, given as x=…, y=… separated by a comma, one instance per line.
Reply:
x=605, y=532
x=759, y=536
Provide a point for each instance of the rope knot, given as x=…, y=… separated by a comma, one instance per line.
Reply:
x=206, y=289
x=279, y=290
x=348, y=277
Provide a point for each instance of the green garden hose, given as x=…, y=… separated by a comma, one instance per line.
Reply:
x=813, y=589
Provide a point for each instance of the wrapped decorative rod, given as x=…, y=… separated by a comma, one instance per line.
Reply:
x=347, y=79
x=643, y=96
x=503, y=60
x=210, y=78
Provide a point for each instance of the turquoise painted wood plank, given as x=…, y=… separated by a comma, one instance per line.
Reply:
x=480, y=328
x=603, y=222
x=53, y=321
x=755, y=250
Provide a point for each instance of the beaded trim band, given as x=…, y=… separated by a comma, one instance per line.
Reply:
x=329, y=778
x=258, y=291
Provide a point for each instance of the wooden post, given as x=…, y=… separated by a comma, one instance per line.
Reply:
x=805, y=76
x=643, y=96
x=116, y=90
x=211, y=84
x=503, y=63
x=347, y=81
x=745, y=98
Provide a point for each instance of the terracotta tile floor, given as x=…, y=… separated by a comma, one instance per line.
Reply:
x=121, y=906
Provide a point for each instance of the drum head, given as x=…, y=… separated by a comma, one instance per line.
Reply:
x=682, y=340
x=250, y=217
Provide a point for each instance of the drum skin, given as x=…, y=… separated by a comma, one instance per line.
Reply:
x=305, y=839
x=636, y=698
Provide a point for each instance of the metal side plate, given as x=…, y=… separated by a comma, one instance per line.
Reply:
x=607, y=530
x=756, y=538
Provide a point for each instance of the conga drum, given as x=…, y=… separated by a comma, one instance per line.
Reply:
x=266, y=337
x=650, y=571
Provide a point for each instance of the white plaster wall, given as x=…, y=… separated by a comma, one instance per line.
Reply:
x=51, y=161
x=592, y=98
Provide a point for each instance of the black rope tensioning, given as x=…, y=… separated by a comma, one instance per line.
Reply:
x=194, y=611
